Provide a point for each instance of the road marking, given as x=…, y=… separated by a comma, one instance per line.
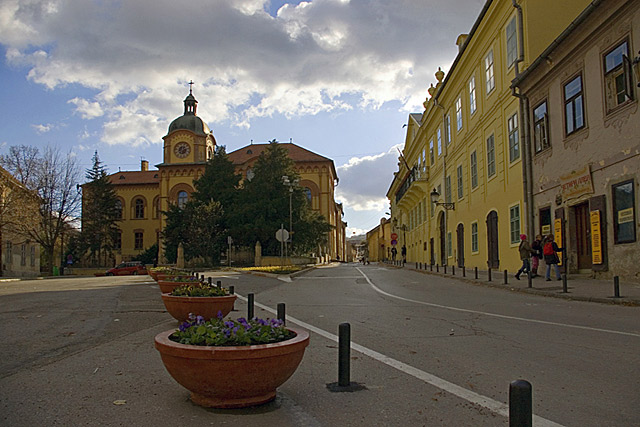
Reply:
x=501, y=316
x=468, y=395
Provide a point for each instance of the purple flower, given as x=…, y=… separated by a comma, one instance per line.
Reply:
x=199, y=320
x=220, y=316
x=276, y=323
x=184, y=326
x=261, y=322
x=229, y=324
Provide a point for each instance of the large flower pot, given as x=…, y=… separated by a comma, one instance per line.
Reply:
x=207, y=307
x=165, y=276
x=168, y=286
x=232, y=377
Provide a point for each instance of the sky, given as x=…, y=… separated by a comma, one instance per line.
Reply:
x=337, y=77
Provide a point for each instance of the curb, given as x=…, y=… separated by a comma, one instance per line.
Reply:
x=630, y=302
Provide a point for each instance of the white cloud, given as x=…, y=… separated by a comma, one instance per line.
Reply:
x=247, y=64
x=40, y=128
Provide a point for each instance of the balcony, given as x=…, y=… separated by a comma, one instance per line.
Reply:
x=416, y=176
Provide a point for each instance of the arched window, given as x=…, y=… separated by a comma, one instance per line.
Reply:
x=139, y=209
x=119, y=209
x=156, y=207
x=182, y=199
x=307, y=192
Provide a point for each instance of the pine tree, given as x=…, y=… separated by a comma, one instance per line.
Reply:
x=100, y=214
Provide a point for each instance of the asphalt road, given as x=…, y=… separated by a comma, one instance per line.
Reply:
x=429, y=351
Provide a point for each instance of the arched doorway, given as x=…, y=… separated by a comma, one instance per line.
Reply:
x=443, y=240
x=493, y=257
x=460, y=239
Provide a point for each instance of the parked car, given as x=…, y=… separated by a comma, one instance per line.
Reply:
x=132, y=267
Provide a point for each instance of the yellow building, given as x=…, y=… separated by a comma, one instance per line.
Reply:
x=189, y=143
x=19, y=254
x=466, y=148
x=379, y=241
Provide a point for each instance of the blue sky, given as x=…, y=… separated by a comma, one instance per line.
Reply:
x=337, y=77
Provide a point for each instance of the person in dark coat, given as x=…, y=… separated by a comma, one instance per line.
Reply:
x=525, y=253
x=536, y=245
x=550, y=251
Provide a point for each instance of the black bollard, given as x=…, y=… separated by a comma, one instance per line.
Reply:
x=564, y=283
x=437, y=268
x=520, y=407
x=475, y=270
x=210, y=280
x=344, y=354
x=445, y=269
x=232, y=290
x=529, y=277
x=430, y=267
x=464, y=271
x=202, y=277
x=416, y=265
x=616, y=287
x=250, y=298
x=453, y=270
x=281, y=312
x=219, y=284
x=506, y=278
x=489, y=273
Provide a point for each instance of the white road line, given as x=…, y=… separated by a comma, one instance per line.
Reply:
x=468, y=395
x=501, y=316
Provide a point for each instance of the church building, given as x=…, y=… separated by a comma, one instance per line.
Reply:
x=188, y=145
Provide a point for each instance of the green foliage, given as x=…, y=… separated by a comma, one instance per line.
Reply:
x=149, y=255
x=200, y=289
x=218, y=332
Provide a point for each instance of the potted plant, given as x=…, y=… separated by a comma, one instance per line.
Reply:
x=199, y=298
x=250, y=360
x=169, y=283
x=158, y=273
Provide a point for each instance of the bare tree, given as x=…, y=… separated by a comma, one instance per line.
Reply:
x=53, y=177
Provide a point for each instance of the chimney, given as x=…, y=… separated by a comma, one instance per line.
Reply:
x=144, y=165
x=462, y=38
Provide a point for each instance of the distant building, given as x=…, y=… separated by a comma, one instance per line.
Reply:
x=379, y=241
x=581, y=101
x=19, y=254
x=188, y=145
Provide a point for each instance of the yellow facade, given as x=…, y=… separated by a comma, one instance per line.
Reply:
x=466, y=144
x=379, y=241
x=187, y=146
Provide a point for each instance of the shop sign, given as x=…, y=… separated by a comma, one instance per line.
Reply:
x=557, y=225
x=596, y=238
x=625, y=215
x=576, y=183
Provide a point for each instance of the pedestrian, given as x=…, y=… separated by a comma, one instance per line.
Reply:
x=536, y=245
x=525, y=253
x=550, y=252
x=394, y=252
x=404, y=254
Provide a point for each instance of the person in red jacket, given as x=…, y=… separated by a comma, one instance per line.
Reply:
x=550, y=252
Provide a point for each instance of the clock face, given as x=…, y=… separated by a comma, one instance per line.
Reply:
x=182, y=150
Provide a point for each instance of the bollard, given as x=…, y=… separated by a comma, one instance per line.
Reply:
x=506, y=278
x=430, y=267
x=445, y=269
x=464, y=271
x=344, y=354
x=232, y=290
x=281, y=312
x=419, y=266
x=453, y=270
x=210, y=280
x=219, y=284
x=437, y=268
x=564, y=283
x=416, y=265
x=489, y=273
x=529, y=277
x=202, y=277
x=250, y=298
x=520, y=407
x=616, y=286
x=475, y=271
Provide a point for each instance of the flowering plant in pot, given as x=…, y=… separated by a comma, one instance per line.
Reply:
x=251, y=358
x=165, y=271
x=169, y=283
x=199, y=298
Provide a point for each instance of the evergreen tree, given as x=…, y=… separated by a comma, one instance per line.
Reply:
x=100, y=213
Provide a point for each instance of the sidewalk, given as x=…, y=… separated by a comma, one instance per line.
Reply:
x=579, y=287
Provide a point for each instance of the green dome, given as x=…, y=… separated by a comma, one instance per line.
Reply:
x=189, y=120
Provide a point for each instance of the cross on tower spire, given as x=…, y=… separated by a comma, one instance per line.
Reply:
x=191, y=87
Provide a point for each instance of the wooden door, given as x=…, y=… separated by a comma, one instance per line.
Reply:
x=493, y=255
x=460, y=238
x=583, y=236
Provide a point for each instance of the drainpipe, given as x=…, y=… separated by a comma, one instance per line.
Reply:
x=525, y=138
x=444, y=176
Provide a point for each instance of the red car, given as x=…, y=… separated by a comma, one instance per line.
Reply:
x=125, y=268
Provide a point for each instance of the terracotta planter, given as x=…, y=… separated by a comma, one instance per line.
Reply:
x=165, y=276
x=207, y=307
x=232, y=377
x=167, y=287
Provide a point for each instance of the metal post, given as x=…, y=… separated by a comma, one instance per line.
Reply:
x=344, y=354
x=445, y=269
x=475, y=270
x=202, y=277
x=616, y=287
x=210, y=280
x=453, y=270
x=506, y=278
x=520, y=407
x=464, y=271
x=281, y=312
x=564, y=283
x=250, y=298
x=489, y=273
x=232, y=290
x=437, y=268
x=529, y=277
x=430, y=267
x=219, y=284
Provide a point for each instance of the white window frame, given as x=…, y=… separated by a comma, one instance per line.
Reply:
x=472, y=95
x=439, y=139
x=512, y=42
x=489, y=74
x=459, y=113
x=473, y=162
x=514, y=224
x=491, y=156
x=460, y=182
x=514, y=137
x=474, y=237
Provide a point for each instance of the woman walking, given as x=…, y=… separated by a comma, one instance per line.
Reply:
x=536, y=245
x=550, y=251
x=525, y=252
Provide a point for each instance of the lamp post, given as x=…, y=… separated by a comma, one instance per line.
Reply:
x=435, y=197
x=290, y=184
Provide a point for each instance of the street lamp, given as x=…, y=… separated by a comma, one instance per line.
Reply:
x=290, y=184
x=435, y=196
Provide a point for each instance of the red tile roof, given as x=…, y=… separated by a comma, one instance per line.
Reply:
x=135, y=177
